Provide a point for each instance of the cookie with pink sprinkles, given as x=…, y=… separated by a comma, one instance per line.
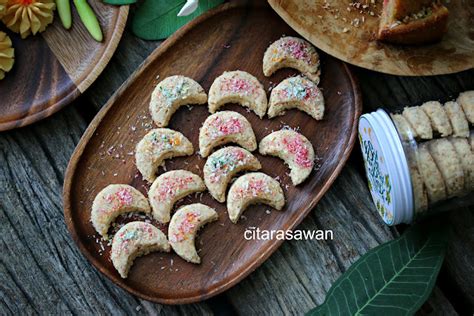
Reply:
x=292, y=52
x=253, y=188
x=296, y=93
x=226, y=127
x=238, y=87
x=170, y=187
x=114, y=200
x=133, y=240
x=223, y=165
x=184, y=225
x=156, y=146
x=294, y=148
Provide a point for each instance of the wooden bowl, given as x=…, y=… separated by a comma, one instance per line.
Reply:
x=55, y=67
x=234, y=36
x=328, y=26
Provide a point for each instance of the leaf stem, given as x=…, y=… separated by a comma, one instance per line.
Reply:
x=64, y=10
x=89, y=19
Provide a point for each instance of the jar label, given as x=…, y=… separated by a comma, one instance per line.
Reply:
x=380, y=183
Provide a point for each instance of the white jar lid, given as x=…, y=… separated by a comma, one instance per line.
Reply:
x=386, y=167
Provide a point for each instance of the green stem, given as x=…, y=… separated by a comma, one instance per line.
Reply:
x=89, y=19
x=64, y=10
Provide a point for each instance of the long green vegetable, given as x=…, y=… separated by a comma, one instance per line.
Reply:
x=89, y=19
x=64, y=10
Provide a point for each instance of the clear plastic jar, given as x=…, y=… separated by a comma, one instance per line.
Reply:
x=421, y=160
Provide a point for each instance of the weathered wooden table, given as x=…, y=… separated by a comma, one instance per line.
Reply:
x=42, y=270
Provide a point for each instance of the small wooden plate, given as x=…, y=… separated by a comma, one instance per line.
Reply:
x=234, y=36
x=328, y=26
x=55, y=67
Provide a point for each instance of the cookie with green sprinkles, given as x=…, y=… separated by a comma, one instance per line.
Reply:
x=296, y=93
x=223, y=165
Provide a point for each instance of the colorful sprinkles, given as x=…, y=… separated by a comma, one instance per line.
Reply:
x=123, y=239
x=164, y=142
x=122, y=197
x=220, y=127
x=222, y=165
x=186, y=227
x=296, y=146
x=298, y=89
x=172, y=90
x=170, y=186
x=294, y=47
x=239, y=86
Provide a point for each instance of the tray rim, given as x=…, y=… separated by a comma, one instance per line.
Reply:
x=79, y=150
x=86, y=81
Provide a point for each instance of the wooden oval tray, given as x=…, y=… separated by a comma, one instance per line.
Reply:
x=324, y=24
x=55, y=67
x=234, y=36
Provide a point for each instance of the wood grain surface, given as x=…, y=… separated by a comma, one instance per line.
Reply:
x=43, y=272
x=216, y=42
x=53, y=68
x=327, y=24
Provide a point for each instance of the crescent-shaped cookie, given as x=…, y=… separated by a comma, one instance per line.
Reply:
x=156, y=146
x=238, y=87
x=184, y=225
x=292, y=52
x=114, y=200
x=296, y=92
x=169, y=188
x=226, y=127
x=457, y=118
x=133, y=240
x=253, y=188
x=419, y=121
x=466, y=101
x=295, y=149
x=224, y=164
x=172, y=93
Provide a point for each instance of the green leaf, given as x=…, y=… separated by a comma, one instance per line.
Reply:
x=395, y=278
x=119, y=2
x=157, y=19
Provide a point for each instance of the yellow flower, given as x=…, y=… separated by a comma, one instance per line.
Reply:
x=7, y=54
x=28, y=16
x=3, y=7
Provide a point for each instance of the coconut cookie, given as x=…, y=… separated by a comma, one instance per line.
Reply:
x=465, y=154
x=403, y=127
x=449, y=165
x=184, y=225
x=133, y=240
x=172, y=93
x=296, y=92
x=238, y=87
x=226, y=127
x=419, y=191
x=431, y=175
x=160, y=144
x=169, y=188
x=466, y=100
x=114, y=200
x=295, y=149
x=253, y=188
x=438, y=117
x=419, y=121
x=457, y=119
x=223, y=165
x=292, y=52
